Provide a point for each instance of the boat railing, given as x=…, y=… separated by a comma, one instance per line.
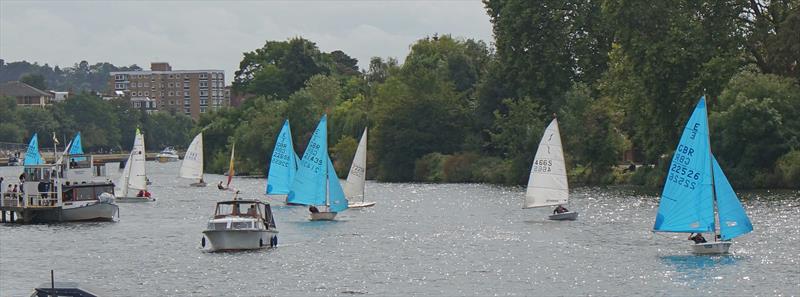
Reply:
x=40, y=199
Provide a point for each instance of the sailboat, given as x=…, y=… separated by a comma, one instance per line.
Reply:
x=354, y=186
x=76, y=148
x=32, y=155
x=133, y=182
x=192, y=165
x=283, y=163
x=316, y=183
x=231, y=171
x=547, y=184
x=697, y=194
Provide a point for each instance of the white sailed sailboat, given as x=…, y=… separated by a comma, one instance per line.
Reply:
x=192, y=166
x=354, y=186
x=547, y=184
x=697, y=194
x=133, y=182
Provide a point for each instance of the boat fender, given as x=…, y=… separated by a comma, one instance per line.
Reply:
x=203, y=242
x=274, y=241
x=260, y=242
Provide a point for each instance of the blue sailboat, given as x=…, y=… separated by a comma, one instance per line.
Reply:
x=32, y=156
x=76, y=148
x=283, y=164
x=697, y=194
x=316, y=183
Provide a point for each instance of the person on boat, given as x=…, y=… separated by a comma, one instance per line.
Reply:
x=220, y=186
x=252, y=210
x=140, y=194
x=202, y=181
x=560, y=209
x=313, y=209
x=697, y=238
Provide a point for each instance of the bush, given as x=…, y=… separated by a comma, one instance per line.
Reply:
x=458, y=168
x=788, y=169
x=429, y=168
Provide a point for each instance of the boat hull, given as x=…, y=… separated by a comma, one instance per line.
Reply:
x=567, y=216
x=360, y=204
x=101, y=211
x=323, y=216
x=135, y=199
x=167, y=159
x=235, y=240
x=711, y=248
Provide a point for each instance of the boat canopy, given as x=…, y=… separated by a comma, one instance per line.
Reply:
x=245, y=208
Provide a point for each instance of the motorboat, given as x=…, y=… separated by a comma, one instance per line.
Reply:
x=169, y=154
x=240, y=224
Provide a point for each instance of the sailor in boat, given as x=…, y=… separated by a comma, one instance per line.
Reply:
x=560, y=209
x=697, y=238
x=220, y=186
x=143, y=193
x=313, y=209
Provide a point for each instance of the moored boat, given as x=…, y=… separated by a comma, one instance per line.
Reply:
x=168, y=154
x=240, y=224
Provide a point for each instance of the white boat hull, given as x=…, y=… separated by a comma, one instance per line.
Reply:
x=567, y=216
x=719, y=247
x=134, y=199
x=360, y=204
x=100, y=211
x=233, y=240
x=323, y=216
x=166, y=159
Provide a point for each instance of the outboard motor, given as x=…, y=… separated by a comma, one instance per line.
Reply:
x=106, y=197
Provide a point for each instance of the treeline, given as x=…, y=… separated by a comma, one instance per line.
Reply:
x=80, y=77
x=622, y=78
x=104, y=125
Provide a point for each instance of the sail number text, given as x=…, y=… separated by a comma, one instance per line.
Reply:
x=679, y=173
x=542, y=166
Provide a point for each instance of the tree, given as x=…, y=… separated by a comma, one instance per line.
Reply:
x=34, y=80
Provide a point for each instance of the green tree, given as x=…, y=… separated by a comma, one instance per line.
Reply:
x=517, y=133
x=34, y=80
x=279, y=68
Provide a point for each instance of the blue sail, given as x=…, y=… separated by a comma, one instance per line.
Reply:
x=733, y=221
x=32, y=156
x=308, y=186
x=336, y=195
x=686, y=203
x=283, y=164
x=76, y=148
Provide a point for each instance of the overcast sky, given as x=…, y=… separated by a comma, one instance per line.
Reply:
x=213, y=35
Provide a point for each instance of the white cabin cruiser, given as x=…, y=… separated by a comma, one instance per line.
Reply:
x=240, y=224
x=169, y=154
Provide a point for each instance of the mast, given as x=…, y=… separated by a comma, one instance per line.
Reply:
x=713, y=185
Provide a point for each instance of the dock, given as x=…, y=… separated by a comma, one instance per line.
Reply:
x=98, y=159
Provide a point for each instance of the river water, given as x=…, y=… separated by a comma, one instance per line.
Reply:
x=419, y=240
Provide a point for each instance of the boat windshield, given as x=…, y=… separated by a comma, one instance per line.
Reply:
x=78, y=161
x=238, y=209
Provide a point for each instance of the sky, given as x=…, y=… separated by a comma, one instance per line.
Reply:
x=213, y=34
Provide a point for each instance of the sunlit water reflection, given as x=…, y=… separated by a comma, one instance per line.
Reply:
x=420, y=239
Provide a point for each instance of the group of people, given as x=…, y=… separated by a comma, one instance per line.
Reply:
x=143, y=193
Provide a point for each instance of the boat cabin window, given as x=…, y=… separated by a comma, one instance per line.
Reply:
x=83, y=194
x=35, y=174
x=79, y=162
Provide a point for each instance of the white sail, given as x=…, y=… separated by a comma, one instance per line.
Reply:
x=138, y=176
x=123, y=179
x=547, y=184
x=354, y=187
x=192, y=166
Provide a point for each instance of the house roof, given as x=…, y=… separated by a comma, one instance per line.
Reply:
x=21, y=89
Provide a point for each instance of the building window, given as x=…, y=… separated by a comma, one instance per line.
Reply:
x=171, y=85
x=171, y=94
x=203, y=102
x=203, y=75
x=119, y=86
x=187, y=102
x=185, y=76
x=203, y=84
x=170, y=76
x=147, y=93
x=171, y=102
x=185, y=93
x=202, y=109
x=140, y=93
x=146, y=85
x=186, y=85
x=204, y=93
x=140, y=84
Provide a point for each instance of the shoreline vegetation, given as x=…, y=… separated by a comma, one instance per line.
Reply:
x=622, y=79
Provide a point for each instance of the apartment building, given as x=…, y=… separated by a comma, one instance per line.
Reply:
x=192, y=92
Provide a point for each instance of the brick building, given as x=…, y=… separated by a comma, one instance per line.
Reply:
x=192, y=92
